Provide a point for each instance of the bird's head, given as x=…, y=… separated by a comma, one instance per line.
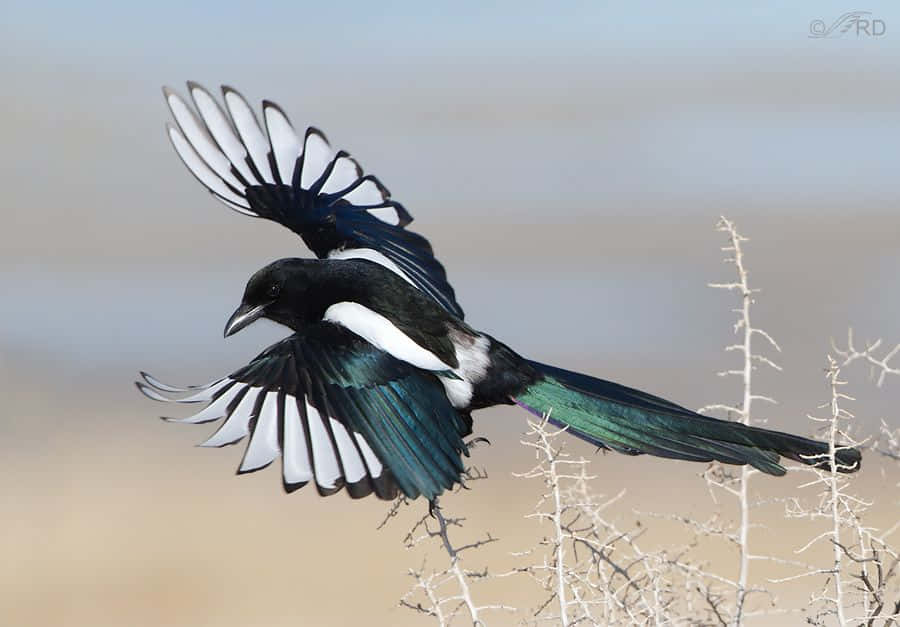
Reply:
x=298, y=292
x=278, y=292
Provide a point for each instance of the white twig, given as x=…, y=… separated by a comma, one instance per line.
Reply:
x=447, y=592
x=880, y=366
x=744, y=326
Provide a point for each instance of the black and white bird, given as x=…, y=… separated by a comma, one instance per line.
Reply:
x=373, y=391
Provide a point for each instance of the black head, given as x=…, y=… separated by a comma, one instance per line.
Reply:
x=297, y=292
x=278, y=292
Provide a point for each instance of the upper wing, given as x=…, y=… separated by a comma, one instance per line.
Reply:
x=339, y=411
x=321, y=195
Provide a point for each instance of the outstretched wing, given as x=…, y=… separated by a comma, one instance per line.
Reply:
x=321, y=195
x=339, y=411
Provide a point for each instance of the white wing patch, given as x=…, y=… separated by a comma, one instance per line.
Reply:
x=249, y=132
x=297, y=467
x=337, y=454
x=345, y=173
x=204, y=173
x=221, y=130
x=354, y=469
x=381, y=332
x=325, y=461
x=228, y=152
x=317, y=154
x=285, y=143
x=369, y=455
x=200, y=140
x=214, y=411
x=237, y=425
x=366, y=193
x=386, y=214
x=263, y=447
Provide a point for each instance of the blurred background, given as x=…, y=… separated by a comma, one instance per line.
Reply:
x=568, y=161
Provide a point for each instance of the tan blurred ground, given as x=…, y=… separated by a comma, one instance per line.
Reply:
x=112, y=518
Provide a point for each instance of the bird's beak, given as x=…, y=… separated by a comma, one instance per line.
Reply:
x=242, y=316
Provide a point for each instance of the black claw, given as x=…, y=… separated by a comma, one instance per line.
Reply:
x=433, y=507
x=476, y=441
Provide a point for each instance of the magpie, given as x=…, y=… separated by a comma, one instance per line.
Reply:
x=375, y=388
x=373, y=392
x=320, y=194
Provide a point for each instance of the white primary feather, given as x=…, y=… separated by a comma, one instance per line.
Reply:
x=354, y=469
x=221, y=130
x=325, y=462
x=366, y=193
x=344, y=173
x=251, y=135
x=165, y=387
x=153, y=394
x=205, y=394
x=263, y=447
x=201, y=142
x=237, y=424
x=204, y=173
x=297, y=468
x=381, y=332
x=386, y=214
x=284, y=141
x=372, y=462
x=213, y=411
x=317, y=154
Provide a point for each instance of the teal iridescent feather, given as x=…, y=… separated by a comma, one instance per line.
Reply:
x=633, y=422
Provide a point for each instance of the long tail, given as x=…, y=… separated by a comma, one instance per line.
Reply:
x=629, y=421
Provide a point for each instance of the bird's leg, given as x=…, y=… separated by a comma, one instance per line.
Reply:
x=434, y=509
x=435, y=512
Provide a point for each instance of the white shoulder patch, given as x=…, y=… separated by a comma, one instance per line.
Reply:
x=381, y=332
x=472, y=355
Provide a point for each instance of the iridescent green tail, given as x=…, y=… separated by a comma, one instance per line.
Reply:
x=629, y=421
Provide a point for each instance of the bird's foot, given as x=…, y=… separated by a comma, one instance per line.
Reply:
x=433, y=507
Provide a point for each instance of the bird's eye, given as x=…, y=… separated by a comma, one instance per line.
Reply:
x=274, y=290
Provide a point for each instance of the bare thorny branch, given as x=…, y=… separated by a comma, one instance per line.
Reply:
x=858, y=551
x=445, y=593
x=737, y=485
x=879, y=367
x=593, y=569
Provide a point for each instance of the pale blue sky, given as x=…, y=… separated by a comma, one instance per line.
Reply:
x=688, y=107
x=414, y=31
x=571, y=118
